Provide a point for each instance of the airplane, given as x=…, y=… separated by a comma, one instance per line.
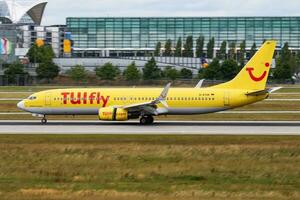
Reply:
x=122, y=104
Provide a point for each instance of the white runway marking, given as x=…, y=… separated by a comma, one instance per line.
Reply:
x=160, y=127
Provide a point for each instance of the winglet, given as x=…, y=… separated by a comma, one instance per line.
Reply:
x=199, y=85
x=165, y=92
x=162, y=98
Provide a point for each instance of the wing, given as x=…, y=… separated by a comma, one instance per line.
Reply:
x=151, y=106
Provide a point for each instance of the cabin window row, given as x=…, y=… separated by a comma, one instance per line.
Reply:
x=143, y=99
x=168, y=99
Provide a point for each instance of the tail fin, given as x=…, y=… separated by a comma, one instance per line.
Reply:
x=255, y=74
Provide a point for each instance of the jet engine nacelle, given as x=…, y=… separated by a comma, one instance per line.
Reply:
x=113, y=114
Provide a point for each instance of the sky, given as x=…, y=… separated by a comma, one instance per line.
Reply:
x=57, y=10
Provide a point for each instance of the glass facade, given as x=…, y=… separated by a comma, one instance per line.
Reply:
x=144, y=33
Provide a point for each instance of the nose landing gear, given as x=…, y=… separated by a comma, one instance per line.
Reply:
x=44, y=120
x=146, y=120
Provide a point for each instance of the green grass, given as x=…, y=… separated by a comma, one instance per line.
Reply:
x=152, y=167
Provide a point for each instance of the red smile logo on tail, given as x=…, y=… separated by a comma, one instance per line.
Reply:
x=259, y=78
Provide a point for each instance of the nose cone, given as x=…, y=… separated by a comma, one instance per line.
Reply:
x=21, y=105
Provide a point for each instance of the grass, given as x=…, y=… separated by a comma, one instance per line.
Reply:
x=149, y=167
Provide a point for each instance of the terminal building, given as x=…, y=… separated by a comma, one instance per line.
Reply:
x=106, y=37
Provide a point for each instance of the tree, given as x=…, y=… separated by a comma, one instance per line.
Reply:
x=229, y=69
x=282, y=71
x=252, y=51
x=210, y=48
x=168, y=48
x=171, y=73
x=232, y=51
x=107, y=72
x=212, y=72
x=77, y=73
x=188, y=47
x=186, y=73
x=222, y=53
x=132, y=73
x=199, y=46
x=285, y=54
x=157, y=49
x=40, y=54
x=151, y=70
x=285, y=63
x=242, y=54
x=47, y=70
x=13, y=71
x=178, y=51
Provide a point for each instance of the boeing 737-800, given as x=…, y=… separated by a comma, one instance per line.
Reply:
x=122, y=104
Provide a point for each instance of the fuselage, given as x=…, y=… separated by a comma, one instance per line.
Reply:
x=181, y=101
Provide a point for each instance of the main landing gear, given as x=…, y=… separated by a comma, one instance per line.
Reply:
x=146, y=120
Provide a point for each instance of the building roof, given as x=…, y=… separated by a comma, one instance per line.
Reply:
x=17, y=11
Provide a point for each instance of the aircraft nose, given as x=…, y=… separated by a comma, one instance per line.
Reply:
x=21, y=105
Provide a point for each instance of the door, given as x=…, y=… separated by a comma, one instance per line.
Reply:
x=48, y=99
x=227, y=98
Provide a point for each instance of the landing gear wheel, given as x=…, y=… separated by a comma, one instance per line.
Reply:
x=44, y=121
x=145, y=120
x=150, y=119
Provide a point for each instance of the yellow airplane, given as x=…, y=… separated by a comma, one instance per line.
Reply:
x=122, y=104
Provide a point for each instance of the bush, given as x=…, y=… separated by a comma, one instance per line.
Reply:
x=107, y=72
x=13, y=71
x=171, y=73
x=132, y=73
x=47, y=70
x=78, y=73
x=186, y=73
x=151, y=70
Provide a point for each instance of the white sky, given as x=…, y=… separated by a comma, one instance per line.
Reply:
x=58, y=10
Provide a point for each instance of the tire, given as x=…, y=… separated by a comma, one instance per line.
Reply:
x=44, y=121
x=150, y=120
x=143, y=121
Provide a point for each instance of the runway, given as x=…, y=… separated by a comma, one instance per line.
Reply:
x=158, y=128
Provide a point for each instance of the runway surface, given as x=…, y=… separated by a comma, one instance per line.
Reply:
x=159, y=127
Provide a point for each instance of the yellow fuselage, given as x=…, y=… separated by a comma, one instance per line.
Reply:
x=180, y=100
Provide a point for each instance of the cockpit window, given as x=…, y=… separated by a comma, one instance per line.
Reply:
x=32, y=98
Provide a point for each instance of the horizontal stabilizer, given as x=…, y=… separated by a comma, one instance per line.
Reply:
x=263, y=92
x=258, y=93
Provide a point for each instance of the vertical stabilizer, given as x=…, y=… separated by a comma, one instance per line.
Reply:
x=255, y=74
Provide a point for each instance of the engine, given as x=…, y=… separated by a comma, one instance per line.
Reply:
x=113, y=114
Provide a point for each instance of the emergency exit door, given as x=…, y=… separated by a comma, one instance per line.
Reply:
x=48, y=99
x=226, y=98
